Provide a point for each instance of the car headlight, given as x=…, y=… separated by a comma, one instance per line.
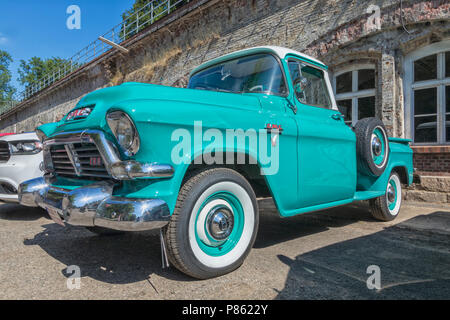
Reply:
x=25, y=147
x=124, y=130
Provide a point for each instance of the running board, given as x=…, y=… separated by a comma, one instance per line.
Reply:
x=366, y=195
x=359, y=195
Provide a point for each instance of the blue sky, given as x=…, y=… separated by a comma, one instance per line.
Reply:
x=38, y=27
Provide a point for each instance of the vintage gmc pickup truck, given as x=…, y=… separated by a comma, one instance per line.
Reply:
x=192, y=161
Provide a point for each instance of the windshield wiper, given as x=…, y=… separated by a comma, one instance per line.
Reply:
x=223, y=90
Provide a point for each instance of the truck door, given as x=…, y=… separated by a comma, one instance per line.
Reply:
x=326, y=145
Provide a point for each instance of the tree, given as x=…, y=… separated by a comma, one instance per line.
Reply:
x=37, y=71
x=6, y=89
x=144, y=7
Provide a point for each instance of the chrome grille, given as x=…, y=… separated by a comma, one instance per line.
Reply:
x=4, y=151
x=81, y=160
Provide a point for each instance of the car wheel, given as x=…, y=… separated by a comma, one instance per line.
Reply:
x=372, y=146
x=386, y=207
x=214, y=223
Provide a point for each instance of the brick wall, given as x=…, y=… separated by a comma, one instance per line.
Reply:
x=432, y=160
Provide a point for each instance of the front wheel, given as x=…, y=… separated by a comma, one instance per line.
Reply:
x=214, y=224
x=386, y=207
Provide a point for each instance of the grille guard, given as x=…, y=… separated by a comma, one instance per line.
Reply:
x=116, y=168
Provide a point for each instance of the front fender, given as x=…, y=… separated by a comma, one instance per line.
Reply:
x=163, y=126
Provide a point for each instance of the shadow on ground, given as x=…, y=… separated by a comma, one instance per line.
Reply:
x=118, y=259
x=274, y=229
x=413, y=257
x=133, y=257
x=13, y=211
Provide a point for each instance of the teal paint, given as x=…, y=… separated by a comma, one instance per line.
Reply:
x=234, y=237
x=394, y=185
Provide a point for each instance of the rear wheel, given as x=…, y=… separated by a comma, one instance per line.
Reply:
x=214, y=224
x=386, y=207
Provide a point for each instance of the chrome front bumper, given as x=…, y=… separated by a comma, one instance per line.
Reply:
x=94, y=205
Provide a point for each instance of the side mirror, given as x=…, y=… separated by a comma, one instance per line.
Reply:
x=342, y=109
x=299, y=88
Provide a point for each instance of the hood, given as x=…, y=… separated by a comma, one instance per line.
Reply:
x=49, y=128
x=130, y=93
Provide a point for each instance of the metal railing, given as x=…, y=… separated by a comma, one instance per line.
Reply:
x=147, y=15
x=6, y=105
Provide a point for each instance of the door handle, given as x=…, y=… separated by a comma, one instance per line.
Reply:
x=337, y=116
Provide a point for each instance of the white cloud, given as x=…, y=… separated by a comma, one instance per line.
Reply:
x=3, y=39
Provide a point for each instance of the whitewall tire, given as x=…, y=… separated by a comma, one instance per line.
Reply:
x=387, y=207
x=214, y=224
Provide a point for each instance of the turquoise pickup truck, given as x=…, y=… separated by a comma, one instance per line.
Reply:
x=191, y=162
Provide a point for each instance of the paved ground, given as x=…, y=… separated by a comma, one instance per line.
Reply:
x=324, y=255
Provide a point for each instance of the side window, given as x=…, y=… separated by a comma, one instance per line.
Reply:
x=309, y=85
x=431, y=98
x=355, y=93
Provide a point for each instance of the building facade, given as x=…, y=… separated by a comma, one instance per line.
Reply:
x=401, y=75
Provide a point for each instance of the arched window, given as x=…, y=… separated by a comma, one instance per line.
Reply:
x=354, y=89
x=427, y=94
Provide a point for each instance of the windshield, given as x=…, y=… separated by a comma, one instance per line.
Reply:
x=259, y=73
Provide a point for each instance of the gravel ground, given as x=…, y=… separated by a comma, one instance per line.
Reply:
x=323, y=255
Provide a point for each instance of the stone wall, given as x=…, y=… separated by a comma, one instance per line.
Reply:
x=335, y=31
x=429, y=189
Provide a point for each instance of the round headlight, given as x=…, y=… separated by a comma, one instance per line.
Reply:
x=124, y=130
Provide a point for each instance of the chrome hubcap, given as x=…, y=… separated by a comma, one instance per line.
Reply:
x=391, y=193
x=376, y=146
x=220, y=223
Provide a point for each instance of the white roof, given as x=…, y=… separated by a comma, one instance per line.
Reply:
x=20, y=136
x=283, y=52
x=279, y=51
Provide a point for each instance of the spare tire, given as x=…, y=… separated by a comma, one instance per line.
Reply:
x=372, y=146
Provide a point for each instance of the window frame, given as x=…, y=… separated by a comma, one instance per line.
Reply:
x=277, y=58
x=439, y=49
x=325, y=78
x=355, y=94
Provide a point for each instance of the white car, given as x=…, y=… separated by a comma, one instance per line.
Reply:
x=21, y=159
